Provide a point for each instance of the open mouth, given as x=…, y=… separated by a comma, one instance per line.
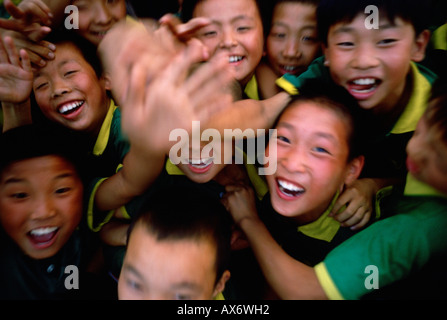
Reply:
x=288, y=189
x=70, y=108
x=364, y=85
x=43, y=237
x=200, y=165
x=290, y=69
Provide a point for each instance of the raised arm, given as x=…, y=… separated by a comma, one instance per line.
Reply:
x=289, y=278
x=15, y=85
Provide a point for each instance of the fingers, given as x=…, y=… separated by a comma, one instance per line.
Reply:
x=36, y=11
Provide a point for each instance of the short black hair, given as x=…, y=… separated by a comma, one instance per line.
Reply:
x=33, y=141
x=331, y=12
x=338, y=99
x=186, y=213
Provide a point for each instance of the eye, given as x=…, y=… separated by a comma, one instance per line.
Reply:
x=309, y=39
x=278, y=35
x=41, y=86
x=283, y=139
x=243, y=28
x=134, y=285
x=320, y=150
x=387, y=41
x=345, y=44
x=62, y=190
x=19, y=195
x=69, y=73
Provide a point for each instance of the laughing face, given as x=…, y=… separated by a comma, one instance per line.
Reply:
x=69, y=92
x=373, y=64
x=206, y=162
x=312, y=161
x=292, y=42
x=237, y=30
x=40, y=204
x=96, y=17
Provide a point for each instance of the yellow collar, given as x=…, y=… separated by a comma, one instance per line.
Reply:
x=104, y=133
x=324, y=228
x=172, y=169
x=251, y=89
x=414, y=187
x=416, y=106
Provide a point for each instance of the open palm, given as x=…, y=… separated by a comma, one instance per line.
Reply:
x=16, y=76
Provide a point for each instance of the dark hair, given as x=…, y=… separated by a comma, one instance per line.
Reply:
x=337, y=99
x=331, y=12
x=184, y=213
x=436, y=113
x=264, y=9
x=86, y=48
x=33, y=141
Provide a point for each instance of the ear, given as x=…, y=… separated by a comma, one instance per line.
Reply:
x=354, y=169
x=324, y=50
x=107, y=82
x=220, y=286
x=420, y=45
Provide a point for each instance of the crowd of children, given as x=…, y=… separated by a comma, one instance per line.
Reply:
x=109, y=191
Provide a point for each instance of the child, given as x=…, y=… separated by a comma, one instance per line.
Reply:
x=291, y=45
x=237, y=30
x=177, y=249
x=41, y=205
x=407, y=247
x=317, y=157
x=377, y=67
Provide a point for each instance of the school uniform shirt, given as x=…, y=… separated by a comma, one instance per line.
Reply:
x=60, y=277
x=403, y=256
x=309, y=243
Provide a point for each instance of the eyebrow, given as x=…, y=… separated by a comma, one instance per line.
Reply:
x=348, y=29
x=239, y=17
x=132, y=270
x=60, y=64
x=20, y=180
x=318, y=134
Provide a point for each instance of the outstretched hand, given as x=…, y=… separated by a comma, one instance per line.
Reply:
x=16, y=76
x=186, y=90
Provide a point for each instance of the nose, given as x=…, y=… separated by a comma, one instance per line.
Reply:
x=228, y=39
x=59, y=88
x=365, y=58
x=102, y=14
x=44, y=208
x=294, y=160
x=292, y=49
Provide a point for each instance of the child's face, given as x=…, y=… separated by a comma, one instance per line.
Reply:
x=40, y=204
x=312, y=161
x=168, y=269
x=372, y=64
x=68, y=91
x=96, y=17
x=237, y=30
x=205, y=165
x=292, y=43
x=427, y=154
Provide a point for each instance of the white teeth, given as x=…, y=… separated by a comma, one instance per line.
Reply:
x=200, y=163
x=70, y=106
x=43, y=231
x=232, y=59
x=365, y=82
x=289, y=68
x=289, y=187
